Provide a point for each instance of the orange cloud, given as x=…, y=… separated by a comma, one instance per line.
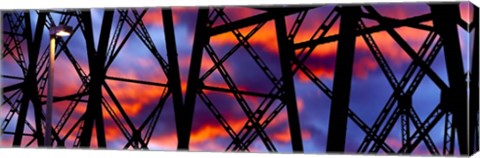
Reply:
x=154, y=17
x=207, y=132
x=466, y=11
x=321, y=51
x=6, y=141
x=94, y=141
x=284, y=135
x=68, y=125
x=66, y=80
x=414, y=37
x=134, y=98
x=363, y=66
x=212, y=131
x=300, y=104
x=320, y=72
x=80, y=109
x=184, y=87
x=164, y=142
x=112, y=132
x=207, y=146
x=265, y=37
x=282, y=117
x=307, y=32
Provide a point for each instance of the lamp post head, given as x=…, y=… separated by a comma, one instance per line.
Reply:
x=61, y=30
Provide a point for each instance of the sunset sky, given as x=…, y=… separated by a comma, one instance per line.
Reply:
x=369, y=92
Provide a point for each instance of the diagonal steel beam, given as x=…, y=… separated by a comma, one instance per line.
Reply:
x=373, y=29
x=287, y=53
x=255, y=20
x=173, y=74
x=409, y=50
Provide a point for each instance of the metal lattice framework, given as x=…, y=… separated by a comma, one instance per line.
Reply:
x=22, y=41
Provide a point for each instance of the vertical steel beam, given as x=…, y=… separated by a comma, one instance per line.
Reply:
x=173, y=71
x=474, y=83
x=102, y=56
x=29, y=88
x=202, y=37
x=286, y=53
x=445, y=17
x=86, y=135
x=37, y=106
x=96, y=61
x=342, y=79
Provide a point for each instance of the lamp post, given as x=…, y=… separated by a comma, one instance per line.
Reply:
x=55, y=31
